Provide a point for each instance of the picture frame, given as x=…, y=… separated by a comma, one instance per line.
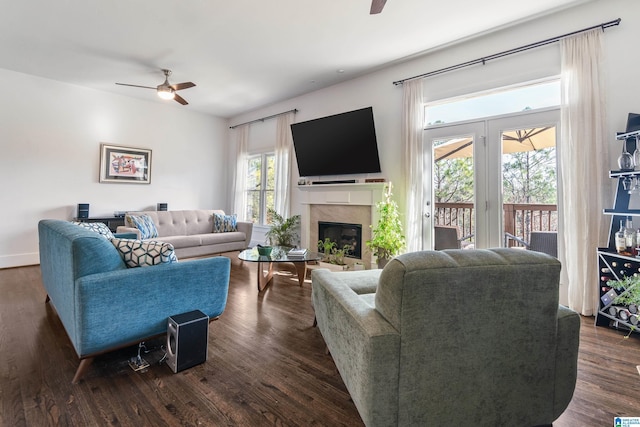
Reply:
x=123, y=164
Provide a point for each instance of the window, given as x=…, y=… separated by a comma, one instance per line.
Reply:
x=505, y=100
x=260, y=187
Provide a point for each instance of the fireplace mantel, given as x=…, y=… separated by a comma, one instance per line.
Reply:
x=342, y=196
x=367, y=193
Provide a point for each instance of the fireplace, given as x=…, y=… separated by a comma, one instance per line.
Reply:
x=349, y=235
x=342, y=204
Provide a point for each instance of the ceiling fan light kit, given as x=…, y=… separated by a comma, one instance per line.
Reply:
x=166, y=93
x=167, y=90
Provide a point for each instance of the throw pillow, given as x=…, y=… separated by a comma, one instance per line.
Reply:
x=224, y=223
x=144, y=223
x=136, y=253
x=98, y=227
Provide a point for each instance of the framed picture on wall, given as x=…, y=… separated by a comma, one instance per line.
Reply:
x=125, y=164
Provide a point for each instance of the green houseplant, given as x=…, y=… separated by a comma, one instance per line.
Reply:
x=331, y=253
x=387, y=237
x=326, y=246
x=283, y=231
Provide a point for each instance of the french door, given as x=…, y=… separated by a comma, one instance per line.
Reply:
x=474, y=170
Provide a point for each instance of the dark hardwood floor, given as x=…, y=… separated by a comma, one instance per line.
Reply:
x=267, y=366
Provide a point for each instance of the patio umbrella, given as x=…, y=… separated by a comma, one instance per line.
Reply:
x=513, y=141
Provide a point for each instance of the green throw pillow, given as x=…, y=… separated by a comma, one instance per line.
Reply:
x=144, y=223
x=136, y=253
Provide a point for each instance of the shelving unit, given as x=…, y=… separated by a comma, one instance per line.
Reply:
x=611, y=265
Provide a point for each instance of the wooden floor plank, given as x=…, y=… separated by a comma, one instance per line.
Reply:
x=267, y=366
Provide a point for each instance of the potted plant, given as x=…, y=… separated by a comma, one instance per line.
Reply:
x=387, y=238
x=283, y=231
x=337, y=255
x=326, y=246
x=332, y=255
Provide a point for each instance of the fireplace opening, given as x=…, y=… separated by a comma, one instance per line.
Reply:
x=342, y=235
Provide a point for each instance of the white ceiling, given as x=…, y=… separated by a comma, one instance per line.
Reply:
x=242, y=54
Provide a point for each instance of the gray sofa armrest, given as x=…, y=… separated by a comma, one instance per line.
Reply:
x=364, y=346
x=247, y=229
x=566, y=358
x=123, y=229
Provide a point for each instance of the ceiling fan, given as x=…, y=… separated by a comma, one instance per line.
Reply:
x=376, y=6
x=167, y=90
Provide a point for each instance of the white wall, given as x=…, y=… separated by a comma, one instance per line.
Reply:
x=376, y=89
x=50, y=135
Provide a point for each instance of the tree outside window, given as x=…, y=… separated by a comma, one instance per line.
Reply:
x=260, y=187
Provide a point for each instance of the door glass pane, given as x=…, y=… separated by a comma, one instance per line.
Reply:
x=453, y=188
x=529, y=183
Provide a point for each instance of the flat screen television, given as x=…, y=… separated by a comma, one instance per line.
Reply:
x=342, y=144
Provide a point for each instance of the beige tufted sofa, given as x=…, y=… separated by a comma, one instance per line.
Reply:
x=191, y=232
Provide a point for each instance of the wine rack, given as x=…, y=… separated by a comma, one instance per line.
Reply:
x=613, y=266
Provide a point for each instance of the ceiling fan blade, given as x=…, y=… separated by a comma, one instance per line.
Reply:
x=145, y=87
x=180, y=86
x=180, y=99
x=377, y=6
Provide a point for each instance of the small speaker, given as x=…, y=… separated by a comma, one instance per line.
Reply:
x=163, y=207
x=83, y=210
x=187, y=336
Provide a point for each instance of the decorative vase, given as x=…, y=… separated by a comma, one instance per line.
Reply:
x=382, y=262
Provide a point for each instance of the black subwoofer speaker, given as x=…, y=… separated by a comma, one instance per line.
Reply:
x=83, y=210
x=187, y=336
x=162, y=207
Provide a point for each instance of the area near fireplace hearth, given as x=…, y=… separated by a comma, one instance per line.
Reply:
x=352, y=204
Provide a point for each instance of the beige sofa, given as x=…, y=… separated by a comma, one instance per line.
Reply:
x=191, y=232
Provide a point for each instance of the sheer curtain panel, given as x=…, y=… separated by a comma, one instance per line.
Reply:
x=239, y=195
x=284, y=144
x=412, y=129
x=582, y=167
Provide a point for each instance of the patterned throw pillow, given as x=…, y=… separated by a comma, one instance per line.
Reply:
x=98, y=227
x=224, y=223
x=144, y=223
x=136, y=253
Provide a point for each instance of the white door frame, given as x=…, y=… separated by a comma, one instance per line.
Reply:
x=487, y=152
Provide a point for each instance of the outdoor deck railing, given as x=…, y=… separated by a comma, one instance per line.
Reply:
x=520, y=219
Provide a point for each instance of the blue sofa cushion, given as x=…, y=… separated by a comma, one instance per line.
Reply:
x=98, y=227
x=136, y=253
x=144, y=223
x=224, y=223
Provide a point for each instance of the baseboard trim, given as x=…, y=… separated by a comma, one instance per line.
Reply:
x=19, y=260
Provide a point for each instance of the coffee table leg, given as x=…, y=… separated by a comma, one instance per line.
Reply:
x=264, y=279
x=301, y=269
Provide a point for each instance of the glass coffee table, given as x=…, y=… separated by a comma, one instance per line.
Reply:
x=278, y=254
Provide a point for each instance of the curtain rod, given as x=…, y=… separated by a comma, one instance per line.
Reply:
x=484, y=59
x=295, y=110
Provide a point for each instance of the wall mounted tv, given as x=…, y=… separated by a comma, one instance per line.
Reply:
x=342, y=144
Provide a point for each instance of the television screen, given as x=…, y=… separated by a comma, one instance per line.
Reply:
x=342, y=144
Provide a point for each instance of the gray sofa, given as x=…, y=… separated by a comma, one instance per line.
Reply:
x=191, y=232
x=456, y=337
x=103, y=305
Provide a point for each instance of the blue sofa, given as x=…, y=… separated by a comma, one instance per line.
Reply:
x=104, y=305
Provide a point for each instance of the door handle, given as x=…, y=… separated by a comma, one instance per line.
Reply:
x=427, y=214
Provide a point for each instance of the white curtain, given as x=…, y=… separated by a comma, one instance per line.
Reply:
x=583, y=158
x=412, y=129
x=282, y=199
x=240, y=185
